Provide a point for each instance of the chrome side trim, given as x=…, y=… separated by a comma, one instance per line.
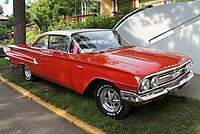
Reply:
x=142, y=99
x=6, y=58
x=34, y=62
x=29, y=50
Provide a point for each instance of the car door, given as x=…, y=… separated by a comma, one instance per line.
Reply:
x=38, y=49
x=81, y=70
x=55, y=60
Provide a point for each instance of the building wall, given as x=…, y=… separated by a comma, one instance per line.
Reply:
x=106, y=7
x=125, y=4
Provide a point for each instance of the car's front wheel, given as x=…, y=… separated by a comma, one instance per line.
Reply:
x=28, y=74
x=109, y=101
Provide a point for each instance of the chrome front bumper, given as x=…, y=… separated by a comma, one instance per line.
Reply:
x=147, y=97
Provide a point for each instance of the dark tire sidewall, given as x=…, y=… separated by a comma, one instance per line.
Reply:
x=122, y=109
x=25, y=77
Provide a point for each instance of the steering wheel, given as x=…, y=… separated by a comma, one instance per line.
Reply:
x=107, y=41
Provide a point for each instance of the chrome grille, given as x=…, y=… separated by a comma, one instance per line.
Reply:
x=169, y=76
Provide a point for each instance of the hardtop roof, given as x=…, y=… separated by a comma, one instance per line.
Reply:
x=70, y=32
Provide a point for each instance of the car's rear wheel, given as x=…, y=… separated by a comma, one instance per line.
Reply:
x=28, y=74
x=109, y=101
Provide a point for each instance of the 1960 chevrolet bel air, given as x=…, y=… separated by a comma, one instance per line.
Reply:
x=102, y=61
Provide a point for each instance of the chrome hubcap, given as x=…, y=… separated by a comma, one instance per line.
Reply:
x=27, y=72
x=110, y=100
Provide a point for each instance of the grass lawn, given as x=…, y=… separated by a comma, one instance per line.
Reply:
x=172, y=115
x=3, y=62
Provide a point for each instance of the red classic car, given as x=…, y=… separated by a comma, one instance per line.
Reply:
x=102, y=61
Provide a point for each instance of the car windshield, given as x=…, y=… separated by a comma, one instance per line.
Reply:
x=97, y=41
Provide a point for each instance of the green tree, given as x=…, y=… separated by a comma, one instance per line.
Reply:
x=1, y=9
x=9, y=22
x=49, y=12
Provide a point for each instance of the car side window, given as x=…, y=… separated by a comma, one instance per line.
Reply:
x=58, y=42
x=78, y=46
x=42, y=42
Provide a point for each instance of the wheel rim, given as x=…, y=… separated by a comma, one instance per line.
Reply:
x=27, y=73
x=110, y=100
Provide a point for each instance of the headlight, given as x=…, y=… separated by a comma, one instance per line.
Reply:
x=145, y=85
x=154, y=82
x=190, y=66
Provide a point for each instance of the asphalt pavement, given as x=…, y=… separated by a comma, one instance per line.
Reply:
x=20, y=115
x=191, y=89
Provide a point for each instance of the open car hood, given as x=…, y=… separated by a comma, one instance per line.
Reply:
x=171, y=27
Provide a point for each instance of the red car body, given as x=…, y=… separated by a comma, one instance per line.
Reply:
x=123, y=67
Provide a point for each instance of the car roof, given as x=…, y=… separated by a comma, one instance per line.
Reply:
x=70, y=32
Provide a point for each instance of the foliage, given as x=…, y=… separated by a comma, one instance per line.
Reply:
x=94, y=7
x=31, y=37
x=1, y=9
x=5, y=42
x=28, y=17
x=9, y=22
x=11, y=42
x=3, y=31
x=47, y=12
x=3, y=38
x=61, y=25
x=104, y=22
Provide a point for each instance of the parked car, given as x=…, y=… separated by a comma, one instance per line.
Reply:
x=102, y=61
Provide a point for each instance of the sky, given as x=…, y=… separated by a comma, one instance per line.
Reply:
x=7, y=8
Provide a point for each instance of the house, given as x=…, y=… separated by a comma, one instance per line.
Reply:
x=107, y=7
x=110, y=7
x=91, y=8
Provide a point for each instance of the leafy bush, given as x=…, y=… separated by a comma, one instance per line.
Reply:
x=2, y=31
x=11, y=42
x=61, y=25
x=104, y=22
x=31, y=37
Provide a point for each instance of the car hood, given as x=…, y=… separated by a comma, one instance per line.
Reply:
x=141, y=61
